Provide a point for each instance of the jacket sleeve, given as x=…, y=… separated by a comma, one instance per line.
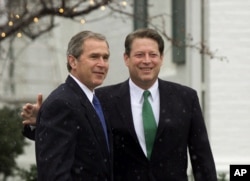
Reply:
x=55, y=141
x=28, y=132
x=199, y=147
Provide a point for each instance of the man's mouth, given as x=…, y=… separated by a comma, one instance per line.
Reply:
x=100, y=73
x=146, y=69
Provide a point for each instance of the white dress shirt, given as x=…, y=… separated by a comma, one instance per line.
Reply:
x=136, y=96
x=85, y=89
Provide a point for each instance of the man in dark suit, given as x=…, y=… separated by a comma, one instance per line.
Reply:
x=177, y=128
x=71, y=141
x=180, y=126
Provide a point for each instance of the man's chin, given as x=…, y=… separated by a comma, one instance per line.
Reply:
x=98, y=83
x=147, y=78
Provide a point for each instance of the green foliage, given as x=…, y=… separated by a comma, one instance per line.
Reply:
x=222, y=176
x=11, y=140
x=28, y=175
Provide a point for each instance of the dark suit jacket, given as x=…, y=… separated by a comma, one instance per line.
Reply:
x=70, y=142
x=181, y=126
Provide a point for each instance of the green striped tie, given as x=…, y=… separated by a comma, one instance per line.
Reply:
x=149, y=123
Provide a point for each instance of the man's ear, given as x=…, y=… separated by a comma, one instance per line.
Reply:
x=72, y=61
x=126, y=59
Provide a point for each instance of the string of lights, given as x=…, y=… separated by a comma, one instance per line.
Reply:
x=75, y=11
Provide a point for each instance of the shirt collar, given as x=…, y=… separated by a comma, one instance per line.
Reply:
x=136, y=92
x=84, y=88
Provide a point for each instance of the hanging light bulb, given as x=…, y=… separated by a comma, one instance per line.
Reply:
x=82, y=21
x=61, y=10
x=124, y=3
x=36, y=19
x=103, y=8
x=3, y=34
x=19, y=35
x=10, y=23
x=91, y=2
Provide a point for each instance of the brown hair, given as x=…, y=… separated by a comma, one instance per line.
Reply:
x=77, y=41
x=144, y=33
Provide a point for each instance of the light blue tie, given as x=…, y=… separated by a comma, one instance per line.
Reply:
x=98, y=109
x=149, y=124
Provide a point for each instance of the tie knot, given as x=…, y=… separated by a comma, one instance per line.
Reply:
x=146, y=93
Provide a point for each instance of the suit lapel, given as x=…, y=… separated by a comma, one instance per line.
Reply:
x=91, y=114
x=96, y=126
x=123, y=103
x=166, y=104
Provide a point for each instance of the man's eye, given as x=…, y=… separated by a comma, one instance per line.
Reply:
x=94, y=56
x=153, y=55
x=138, y=55
x=105, y=58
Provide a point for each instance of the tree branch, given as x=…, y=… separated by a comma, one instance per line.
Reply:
x=26, y=17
